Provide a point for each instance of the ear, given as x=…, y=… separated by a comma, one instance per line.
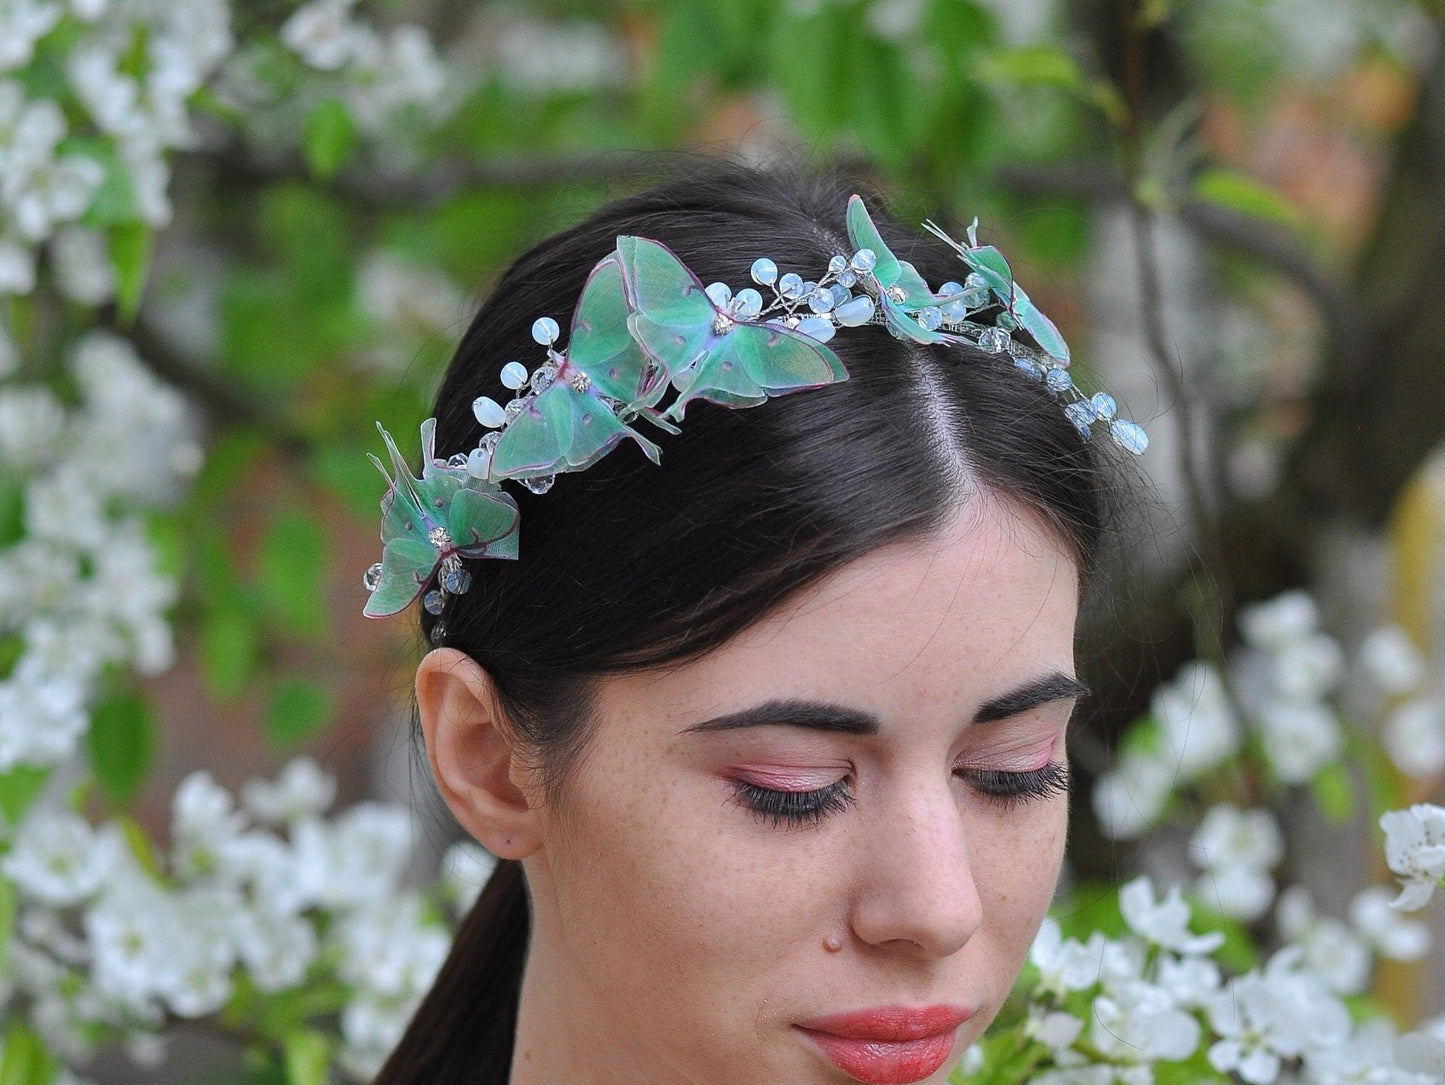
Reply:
x=474, y=755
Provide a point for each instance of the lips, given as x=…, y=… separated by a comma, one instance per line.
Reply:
x=887, y=1045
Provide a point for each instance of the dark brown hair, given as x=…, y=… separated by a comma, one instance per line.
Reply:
x=629, y=565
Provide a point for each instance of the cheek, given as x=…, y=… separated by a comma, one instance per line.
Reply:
x=1016, y=868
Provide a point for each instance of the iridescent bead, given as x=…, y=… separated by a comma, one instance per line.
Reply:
x=1058, y=380
x=514, y=375
x=371, y=579
x=720, y=293
x=816, y=327
x=847, y=278
x=1104, y=405
x=949, y=289
x=863, y=260
x=837, y=264
x=1080, y=413
x=930, y=317
x=489, y=412
x=993, y=340
x=1129, y=436
x=1029, y=366
x=791, y=286
x=954, y=311
x=433, y=602
x=840, y=294
x=543, y=377
x=479, y=462
x=747, y=304
x=764, y=271
x=854, y=311
x=540, y=484
x=545, y=330
x=455, y=579
x=821, y=301
x=516, y=407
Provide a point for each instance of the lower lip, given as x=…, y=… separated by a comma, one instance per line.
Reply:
x=885, y=1062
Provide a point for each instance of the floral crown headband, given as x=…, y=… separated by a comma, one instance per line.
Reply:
x=645, y=323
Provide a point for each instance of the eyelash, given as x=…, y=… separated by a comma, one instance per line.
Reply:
x=1007, y=789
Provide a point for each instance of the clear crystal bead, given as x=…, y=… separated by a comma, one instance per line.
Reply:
x=821, y=301
x=455, y=579
x=489, y=412
x=1058, y=380
x=1128, y=435
x=791, y=286
x=1080, y=413
x=954, y=311
x=457, y=459
x=545, y=330
x=371, y=579
x=930, y=317
x=949, y=289
x=837, y=264
x=489, y=442
x=864, y=260
x=747, y=304
x=720, y=293
x=514, y=375
x=1029, y=366
x=993, y=340
x=433, y=601
x=1104, y=405
x=516, y=407
x=764, y=271
x=542, y=378
x=540, y=484
x=847, y=278
x=840, y=294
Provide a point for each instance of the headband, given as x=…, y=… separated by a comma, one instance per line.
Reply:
x=645, y=324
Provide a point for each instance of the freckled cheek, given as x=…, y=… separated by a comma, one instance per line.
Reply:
x=1016, y=870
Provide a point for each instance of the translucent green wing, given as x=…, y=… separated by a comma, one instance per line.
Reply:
x=561, y=430
x=901, y=323
x=754, y=361
x=483, y=523
x=406, y=566
x=671, y=317
x=601, y=346
x=912, y=291
x=1044, y=333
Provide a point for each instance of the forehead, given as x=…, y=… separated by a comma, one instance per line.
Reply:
x=935, y=625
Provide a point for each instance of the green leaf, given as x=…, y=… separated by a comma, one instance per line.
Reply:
x=299, y=709
x=122, y=745
x=1239, y=192
x=1033, y=65
x=130, y=251
x=18, y=789
x=26, y=1060
x=1334, y=793
x=308, y=1057
x=330, y=137
x=230, y=648
x=9, y=902
x=141, y=845
x=12, y=513
x=292, y=572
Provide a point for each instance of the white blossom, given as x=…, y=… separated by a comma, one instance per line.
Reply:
x=1279, y=622
x=357, y=858
x=1300, y=738
x=1139, y=1021
x=1389, y=656
x=301, y=790
x=1196, y=720
x=22, y=24
x=1163, y=922
x=1237, y=848
x=1414, y=737
x=1326, y=945
x=1391, y=934
x=1415, y=852
x=1130, y=797
x=57, y=859
x=204, y=823
x=324, y=34
x=83, y=270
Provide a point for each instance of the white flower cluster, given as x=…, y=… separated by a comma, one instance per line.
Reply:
x=1113, y=1010
x=1281, y=687
x=1415, y=852
x=81, y=590
x=267, y=897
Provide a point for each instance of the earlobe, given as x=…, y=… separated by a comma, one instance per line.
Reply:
x=473, y=754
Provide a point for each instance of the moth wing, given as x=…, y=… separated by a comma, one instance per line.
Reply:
x=755, y=361
x=561, y=430
x=863, y=234
x=601, y=345
x=671, y=314
x=991, y=266
x=406, y=566
x=902, y=325
x=1043, y=330
x=481, y=521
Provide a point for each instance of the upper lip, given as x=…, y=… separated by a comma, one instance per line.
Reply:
x=890, y=1024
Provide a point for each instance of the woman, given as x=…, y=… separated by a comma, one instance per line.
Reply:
x=769, y=736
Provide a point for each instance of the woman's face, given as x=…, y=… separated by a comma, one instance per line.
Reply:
x=820, y=853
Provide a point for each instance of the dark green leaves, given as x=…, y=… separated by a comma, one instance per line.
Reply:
x=121, y=744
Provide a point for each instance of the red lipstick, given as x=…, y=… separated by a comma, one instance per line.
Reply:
x=887, y=1045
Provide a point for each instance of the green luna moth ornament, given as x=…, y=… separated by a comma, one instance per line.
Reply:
x=902, y=292
x=431, y=521
x=567, y=426
x=708, y=352
x=989, y=264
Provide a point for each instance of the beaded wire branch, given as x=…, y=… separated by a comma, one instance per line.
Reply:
x=645, y=323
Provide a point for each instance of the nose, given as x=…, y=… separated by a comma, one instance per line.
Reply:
x=916, y=888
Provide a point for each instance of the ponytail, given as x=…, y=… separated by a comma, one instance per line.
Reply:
x=464, y=1030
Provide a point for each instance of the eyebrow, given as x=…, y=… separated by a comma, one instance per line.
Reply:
x=836, y=719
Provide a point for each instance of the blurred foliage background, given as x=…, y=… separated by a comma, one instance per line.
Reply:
x=1235, y=209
